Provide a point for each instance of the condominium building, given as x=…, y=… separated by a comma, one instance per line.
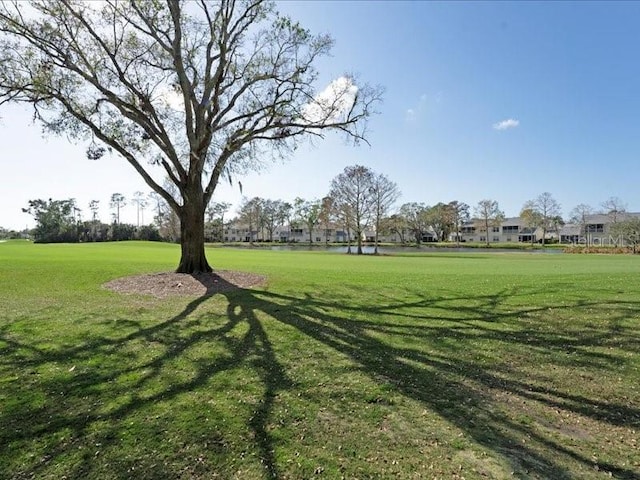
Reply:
x=595, y=230
x=513, y=229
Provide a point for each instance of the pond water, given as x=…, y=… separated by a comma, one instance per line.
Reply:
x=368, y=249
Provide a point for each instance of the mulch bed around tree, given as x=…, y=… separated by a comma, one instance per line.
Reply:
x=167, y=284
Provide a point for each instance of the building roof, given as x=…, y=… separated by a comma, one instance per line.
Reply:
x=608, y=218
x=570, y=229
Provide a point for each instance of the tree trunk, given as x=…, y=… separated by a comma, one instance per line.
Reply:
x=486, y=226
x=193, y=259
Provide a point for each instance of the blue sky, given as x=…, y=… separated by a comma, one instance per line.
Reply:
x=566, y=74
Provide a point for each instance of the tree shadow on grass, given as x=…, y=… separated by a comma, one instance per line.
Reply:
x=460, y=390
x=448, y=383
x=29, y=420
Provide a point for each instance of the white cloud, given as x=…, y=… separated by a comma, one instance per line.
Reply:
x=506, y=124
x=333, y=103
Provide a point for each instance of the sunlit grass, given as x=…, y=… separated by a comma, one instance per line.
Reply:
x=438, y=365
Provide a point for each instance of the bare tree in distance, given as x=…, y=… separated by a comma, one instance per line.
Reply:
x=579, y=215
x=326, y=216
x=191, y=91
x=547, y=210
x=385, y=194
x=614, y=207
x=352, y=191
x=488, y=215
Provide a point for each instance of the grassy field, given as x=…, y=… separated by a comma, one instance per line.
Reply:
x=437, y=365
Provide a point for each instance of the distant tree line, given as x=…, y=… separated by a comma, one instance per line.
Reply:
x=358, y=200
x=7, y=234
x=60, y=221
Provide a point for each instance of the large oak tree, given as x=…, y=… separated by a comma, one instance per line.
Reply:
x=191, y=91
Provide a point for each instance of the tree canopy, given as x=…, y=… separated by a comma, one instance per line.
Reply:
x=192, y=92
x=543, y=212
x=55, y=220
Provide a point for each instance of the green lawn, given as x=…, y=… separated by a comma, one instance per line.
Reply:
x=437, y=365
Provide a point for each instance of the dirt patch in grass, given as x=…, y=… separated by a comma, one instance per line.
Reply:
x=167, y=284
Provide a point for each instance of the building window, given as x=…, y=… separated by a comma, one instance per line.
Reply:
x=595, y=228
x=496, y=239
x=496, y=229
x=483, y=239
x=296, y=231
x=510, y=229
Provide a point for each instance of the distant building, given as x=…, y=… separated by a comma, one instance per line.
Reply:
x=596, y=230
x=510, y=230
x=236, y=231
